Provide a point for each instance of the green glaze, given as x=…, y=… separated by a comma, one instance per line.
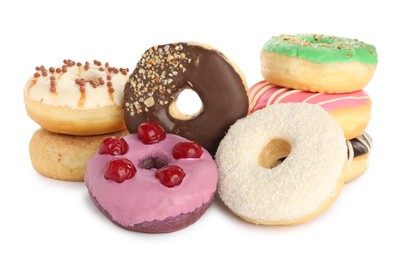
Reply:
x=322, y=49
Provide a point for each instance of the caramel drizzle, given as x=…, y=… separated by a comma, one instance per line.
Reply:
x=82, y=99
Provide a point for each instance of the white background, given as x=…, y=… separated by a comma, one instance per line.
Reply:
x=41, y=218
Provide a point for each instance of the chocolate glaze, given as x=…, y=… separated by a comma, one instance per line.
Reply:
x=361, y=145
x=166, y=70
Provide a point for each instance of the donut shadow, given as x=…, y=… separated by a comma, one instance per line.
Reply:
x=226, y=212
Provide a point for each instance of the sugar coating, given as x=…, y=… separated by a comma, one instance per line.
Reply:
x=301, y=183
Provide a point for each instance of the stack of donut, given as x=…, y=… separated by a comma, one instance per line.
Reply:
x=77, y=106
x=287, y=161
x=327, y=71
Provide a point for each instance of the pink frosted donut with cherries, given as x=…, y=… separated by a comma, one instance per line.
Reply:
x=151, y=182
x=351, y=110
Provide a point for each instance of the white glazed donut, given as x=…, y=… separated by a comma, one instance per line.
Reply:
x=260, y=185
x=77, y=99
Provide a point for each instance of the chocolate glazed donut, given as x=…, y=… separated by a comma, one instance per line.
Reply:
x=164, y=71
x=359, y=146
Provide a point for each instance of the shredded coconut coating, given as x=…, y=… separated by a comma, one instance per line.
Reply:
x=301, y=183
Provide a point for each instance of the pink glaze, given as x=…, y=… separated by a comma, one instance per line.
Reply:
x=143, y=197
x=264, y=93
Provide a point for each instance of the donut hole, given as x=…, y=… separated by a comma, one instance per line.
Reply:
x=274, y=153
x=153, y=162
x=186, y=106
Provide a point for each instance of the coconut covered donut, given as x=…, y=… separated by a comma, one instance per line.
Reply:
x=318, y=63
x=282, y=165
x=351, y=110
x=358, y=155
x=64, y=157
x=165, y=71
x=76, y=98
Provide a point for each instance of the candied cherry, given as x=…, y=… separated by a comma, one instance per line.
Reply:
x=170, y=175
x=113, y=146
x=151, y=133
x=187, y=150
x=119, y=170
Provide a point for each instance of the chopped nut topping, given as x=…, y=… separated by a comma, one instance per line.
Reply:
x=155, y=75
x=149, y=102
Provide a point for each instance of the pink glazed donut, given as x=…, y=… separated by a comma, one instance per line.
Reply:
x=351, y=110
x=154, y=182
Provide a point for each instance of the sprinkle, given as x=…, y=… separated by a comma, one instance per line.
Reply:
x=82, y=82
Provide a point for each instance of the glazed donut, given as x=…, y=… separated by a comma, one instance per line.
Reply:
x=164, y=71
x=358, y=153
x=351, y=110
x=318, y=63
x=281, y=165
x=64, y=157
x=77, y=99
x=166, y=184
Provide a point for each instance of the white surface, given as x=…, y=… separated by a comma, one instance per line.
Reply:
x=46, y=219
